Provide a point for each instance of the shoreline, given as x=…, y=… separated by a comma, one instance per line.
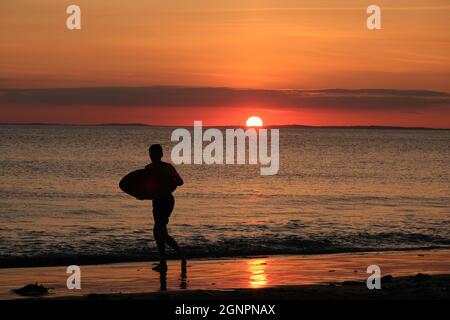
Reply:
x=225, y=278
x=58, y=261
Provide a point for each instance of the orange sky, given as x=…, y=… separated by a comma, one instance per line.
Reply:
x=271, y=44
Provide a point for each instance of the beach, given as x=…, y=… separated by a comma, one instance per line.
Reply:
x=418, y=287
x=326, y=276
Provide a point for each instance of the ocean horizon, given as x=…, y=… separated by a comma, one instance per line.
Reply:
x=379, y=127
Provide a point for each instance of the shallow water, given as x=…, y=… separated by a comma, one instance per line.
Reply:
x=337, y=190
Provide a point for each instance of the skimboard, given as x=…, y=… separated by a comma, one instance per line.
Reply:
x=144, y=184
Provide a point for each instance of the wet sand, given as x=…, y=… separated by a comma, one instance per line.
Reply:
x=272, y=277
x=417, y=287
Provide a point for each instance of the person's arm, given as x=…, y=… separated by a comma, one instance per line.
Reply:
x=173, y=179
x=176, y=177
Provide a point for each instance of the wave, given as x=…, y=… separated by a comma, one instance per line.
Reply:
x=201, y=248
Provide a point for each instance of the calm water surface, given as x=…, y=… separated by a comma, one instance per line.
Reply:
x=337, y=190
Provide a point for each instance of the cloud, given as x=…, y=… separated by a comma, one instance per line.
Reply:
x=172, y=96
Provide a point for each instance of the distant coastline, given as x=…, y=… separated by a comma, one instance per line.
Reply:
x=227, y=126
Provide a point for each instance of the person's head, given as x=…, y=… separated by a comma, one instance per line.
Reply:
x=155, y=152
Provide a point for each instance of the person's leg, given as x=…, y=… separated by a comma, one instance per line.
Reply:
x=174, y=245
x=159, y=232
x=171, y=241
x=163, y=235
x=162, y=211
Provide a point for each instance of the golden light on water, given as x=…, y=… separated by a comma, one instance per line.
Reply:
x=258, y=276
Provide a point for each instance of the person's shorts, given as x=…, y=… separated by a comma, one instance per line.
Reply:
x=162, y=209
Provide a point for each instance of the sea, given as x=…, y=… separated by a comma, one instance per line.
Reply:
x=337, y=190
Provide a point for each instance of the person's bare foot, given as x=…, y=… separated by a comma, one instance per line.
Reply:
x=162, y=267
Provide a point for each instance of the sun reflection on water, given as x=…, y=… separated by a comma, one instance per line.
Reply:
x=258, y=277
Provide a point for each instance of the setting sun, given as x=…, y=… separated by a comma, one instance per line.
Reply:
x=254, y=122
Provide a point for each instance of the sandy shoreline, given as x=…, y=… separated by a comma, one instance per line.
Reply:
x=417, y=287
x=273, y=277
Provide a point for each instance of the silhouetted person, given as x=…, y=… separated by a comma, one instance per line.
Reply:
x=163, y=205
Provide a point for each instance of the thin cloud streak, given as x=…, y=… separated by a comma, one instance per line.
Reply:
x=173, y=96
x=324, y=8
